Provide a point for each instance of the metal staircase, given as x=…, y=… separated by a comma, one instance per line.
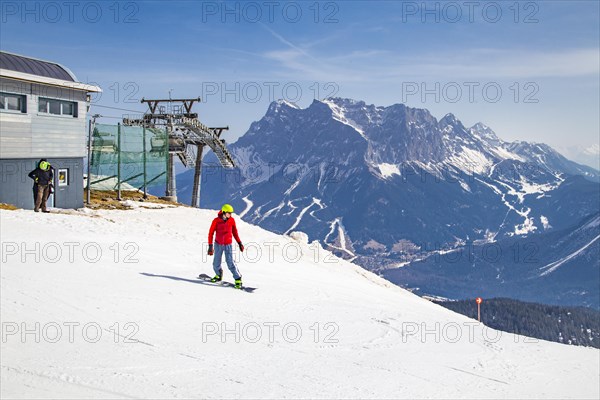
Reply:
x=200, y=134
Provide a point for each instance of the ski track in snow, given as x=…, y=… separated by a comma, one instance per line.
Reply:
x=556, y=264
x=367, y=327
x=304, y=210
x=272, y=210
x=331, y=230
x=341, y=235
x=527, y=188
x=293, y=186
x=249, y=205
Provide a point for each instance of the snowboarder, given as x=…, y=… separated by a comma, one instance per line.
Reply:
x=224, y=228
x=42, y=184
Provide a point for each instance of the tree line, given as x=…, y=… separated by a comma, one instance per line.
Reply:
x=569, y=325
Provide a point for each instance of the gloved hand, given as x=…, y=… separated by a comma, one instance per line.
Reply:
x=241, y=246
x=210, y=250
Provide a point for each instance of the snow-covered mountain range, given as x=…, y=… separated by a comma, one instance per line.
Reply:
x=105, y=304
x=380, y=185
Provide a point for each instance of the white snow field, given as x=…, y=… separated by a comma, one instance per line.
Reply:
x=82, y=319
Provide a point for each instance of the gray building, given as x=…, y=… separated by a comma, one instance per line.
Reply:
x=43, y=111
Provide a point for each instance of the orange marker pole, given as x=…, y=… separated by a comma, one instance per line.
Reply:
x=478, y=301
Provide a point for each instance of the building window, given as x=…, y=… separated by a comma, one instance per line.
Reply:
x=63, y=177
x=57, y=107
x=13, y=102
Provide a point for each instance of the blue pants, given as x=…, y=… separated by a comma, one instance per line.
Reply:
x=227, y=249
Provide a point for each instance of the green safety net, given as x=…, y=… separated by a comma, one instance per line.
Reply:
x=131, y=156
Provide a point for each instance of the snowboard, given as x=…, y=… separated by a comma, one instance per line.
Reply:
x=206, y=278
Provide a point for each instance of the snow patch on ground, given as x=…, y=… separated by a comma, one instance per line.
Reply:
x=139, y=204
x=526, y=227
x=344, y=243
x=249, y=205
x=464, y=185
x=288, y=103
x=388, y=170
x=528, y=188
x=470, y=161
x=339, y=114
x=545, y=222
x=505, y=154
x=315, y=201
x=272, y=210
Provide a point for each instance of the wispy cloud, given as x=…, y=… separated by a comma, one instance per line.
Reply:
x=377, y=65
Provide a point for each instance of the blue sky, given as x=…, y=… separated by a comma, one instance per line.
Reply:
x=530, y=70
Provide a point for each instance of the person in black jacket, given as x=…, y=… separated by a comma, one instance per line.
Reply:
x=32, y=176
x=42, y=182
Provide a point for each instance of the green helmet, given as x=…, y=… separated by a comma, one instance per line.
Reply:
x=44, y=165
x=227, y=208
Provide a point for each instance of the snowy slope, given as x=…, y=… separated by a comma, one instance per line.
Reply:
x=370, y=343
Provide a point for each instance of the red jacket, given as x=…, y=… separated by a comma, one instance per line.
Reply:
x=224, y=230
